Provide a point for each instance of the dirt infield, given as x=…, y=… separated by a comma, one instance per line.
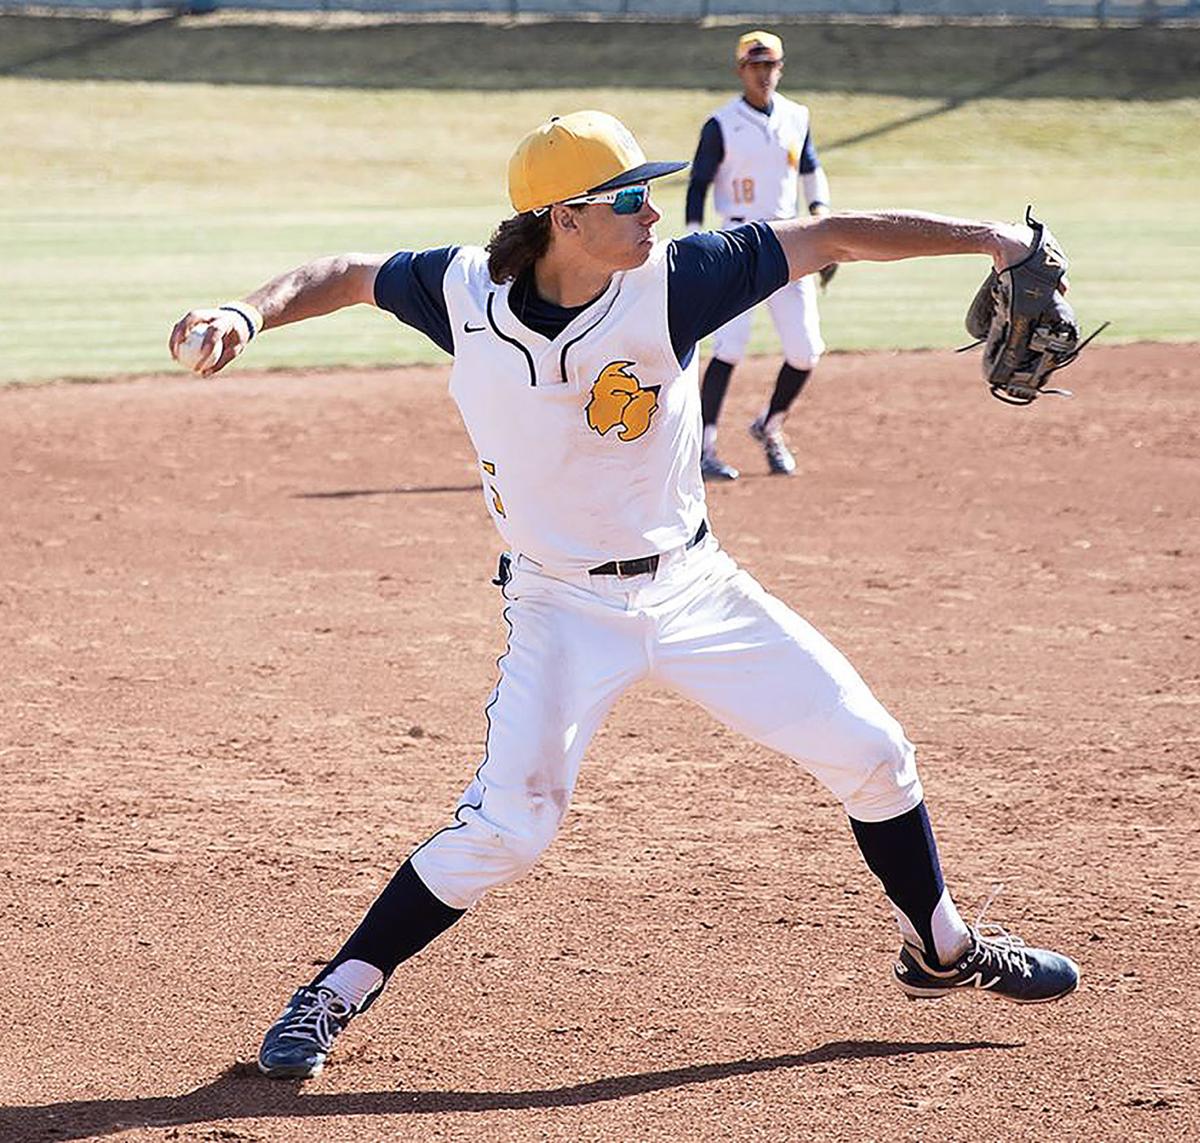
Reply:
x=247, y=635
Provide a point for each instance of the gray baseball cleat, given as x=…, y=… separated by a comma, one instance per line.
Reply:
x=996, y=962
x=779, y=457
x=713, y=468
x=297, y=1044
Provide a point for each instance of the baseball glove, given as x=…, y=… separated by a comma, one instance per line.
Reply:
x=1027, y=328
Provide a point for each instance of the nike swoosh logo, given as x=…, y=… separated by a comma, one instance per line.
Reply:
x=469, y=328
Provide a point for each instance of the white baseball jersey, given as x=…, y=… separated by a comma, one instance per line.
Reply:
x=589, y=443
x=758, y=176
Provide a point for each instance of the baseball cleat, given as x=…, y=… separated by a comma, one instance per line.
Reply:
x=997, y=962
x=713, y=468
x=297, y=1044
x=779, y=457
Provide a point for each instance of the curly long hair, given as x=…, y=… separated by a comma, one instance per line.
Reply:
x=516, y=244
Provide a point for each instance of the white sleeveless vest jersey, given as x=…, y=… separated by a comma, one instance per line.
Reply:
x=588, y=445
x=758, y=177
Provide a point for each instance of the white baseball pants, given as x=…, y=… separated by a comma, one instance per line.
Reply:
x=700, y=625
x=794, y=311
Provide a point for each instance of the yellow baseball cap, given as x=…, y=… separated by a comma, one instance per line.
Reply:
x=759, y=47
x=585, y=152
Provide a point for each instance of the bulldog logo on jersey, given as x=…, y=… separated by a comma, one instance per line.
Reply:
x=619, y=399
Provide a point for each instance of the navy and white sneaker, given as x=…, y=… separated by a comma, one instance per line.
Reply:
x=996, y=962
x=779, y=457
x=712, y=467
x=297, y=1044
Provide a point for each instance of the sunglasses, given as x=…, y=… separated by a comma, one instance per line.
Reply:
x=626, y=200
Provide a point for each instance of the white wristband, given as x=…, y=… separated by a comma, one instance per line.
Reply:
x=248, y=313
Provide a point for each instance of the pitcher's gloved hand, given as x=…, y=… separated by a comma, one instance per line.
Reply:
x=1027, y=327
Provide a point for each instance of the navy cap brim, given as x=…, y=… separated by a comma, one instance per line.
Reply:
x=637, y=175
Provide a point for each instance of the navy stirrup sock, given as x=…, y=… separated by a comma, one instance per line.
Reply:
x=787, y=388
x=712, y=389
x=901, y=852
x=405, y=917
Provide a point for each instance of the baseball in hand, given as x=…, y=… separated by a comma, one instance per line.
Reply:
x=192, y=355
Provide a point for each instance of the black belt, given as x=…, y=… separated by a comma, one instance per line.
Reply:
x=737, y=220
x=646, y=565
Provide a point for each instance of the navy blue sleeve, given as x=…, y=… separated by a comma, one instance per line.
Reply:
x=409, y=285
x=808, y=156
x=709, y=153
x=716, y=275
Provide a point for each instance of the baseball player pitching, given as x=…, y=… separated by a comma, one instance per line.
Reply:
x=574, y=338
x=757, y=153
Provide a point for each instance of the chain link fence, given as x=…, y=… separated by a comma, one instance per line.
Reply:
x=1102, y=11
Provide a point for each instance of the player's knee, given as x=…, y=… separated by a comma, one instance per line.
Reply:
x=486, y=848
x=730, y=344
x=731, y=354
x=520, y=847
x=889, y=784
x=518, y=835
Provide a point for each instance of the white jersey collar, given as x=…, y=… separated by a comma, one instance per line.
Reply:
x=548, y=360
x=510, y=327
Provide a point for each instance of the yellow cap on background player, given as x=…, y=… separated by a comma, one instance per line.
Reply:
x=759, y=47
x=586, y=152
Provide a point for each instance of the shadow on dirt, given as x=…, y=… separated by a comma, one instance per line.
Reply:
x=398, y=490
x=241, y=1094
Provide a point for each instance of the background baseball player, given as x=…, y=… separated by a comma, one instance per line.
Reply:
x=757, y=152
x=574, y=337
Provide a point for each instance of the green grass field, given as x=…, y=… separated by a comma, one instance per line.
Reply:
x=153, y=165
